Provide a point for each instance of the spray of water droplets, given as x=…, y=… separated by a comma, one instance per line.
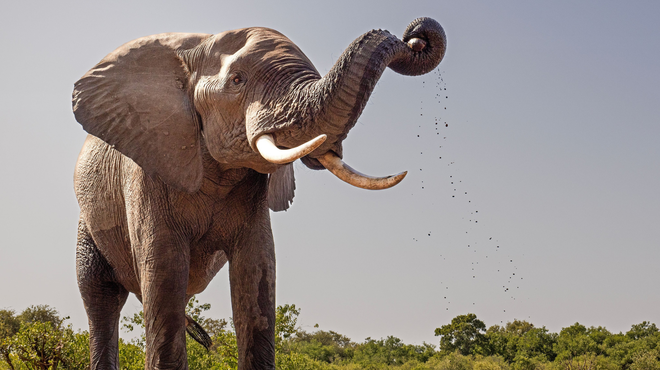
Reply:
x=483, y=258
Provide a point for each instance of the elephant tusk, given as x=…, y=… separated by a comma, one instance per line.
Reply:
x=267, y=148
x=340, y=169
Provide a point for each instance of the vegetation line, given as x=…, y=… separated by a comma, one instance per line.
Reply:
x=38, y=339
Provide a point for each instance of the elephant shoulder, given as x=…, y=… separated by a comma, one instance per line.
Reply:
x=99, y=169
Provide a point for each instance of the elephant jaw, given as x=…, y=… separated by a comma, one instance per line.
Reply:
x=269, y=151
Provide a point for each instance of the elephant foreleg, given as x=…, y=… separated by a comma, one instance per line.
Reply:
x=103, y=298
x=164, y=278
x=252, y=281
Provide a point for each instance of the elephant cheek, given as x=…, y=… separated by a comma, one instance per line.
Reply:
x=227, y=143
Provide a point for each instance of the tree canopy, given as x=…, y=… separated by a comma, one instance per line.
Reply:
x=38, y=339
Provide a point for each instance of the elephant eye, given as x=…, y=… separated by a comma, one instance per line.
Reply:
x=238, y=79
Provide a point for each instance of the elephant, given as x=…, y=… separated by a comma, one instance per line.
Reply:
x=191, y=139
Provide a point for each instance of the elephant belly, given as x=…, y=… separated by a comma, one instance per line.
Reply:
x=118, y=254
x=203, y=267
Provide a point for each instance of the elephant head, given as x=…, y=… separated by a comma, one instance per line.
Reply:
x=249, y=98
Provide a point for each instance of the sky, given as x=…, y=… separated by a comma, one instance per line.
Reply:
x=533, y=156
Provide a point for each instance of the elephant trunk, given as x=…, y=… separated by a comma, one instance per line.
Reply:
x=331, y=105
x=342, y=94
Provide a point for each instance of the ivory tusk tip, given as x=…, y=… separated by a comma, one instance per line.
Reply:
x=397, y=178
x=320, y=139
x=347, y=174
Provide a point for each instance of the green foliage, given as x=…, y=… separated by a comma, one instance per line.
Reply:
x=643, y=330
x=223, y=354
x=391, y=351
x=452, y=361
x=324, y=346
x=587, y=361
x=128, y=324
x=286, y=318
x=465, y=334
x=131, y=356
x=38, y=339
x=636, y=349
x=9, y=326
x=521, y=344
x=39, y=345
x=576, y=340
x=648, y=360
x=41, y=313
x=297, y=361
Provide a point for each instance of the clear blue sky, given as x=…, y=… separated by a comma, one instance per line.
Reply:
x=548, y=168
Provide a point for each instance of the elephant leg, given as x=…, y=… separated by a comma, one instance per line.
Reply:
x=164, y=268
x=252, y=282
x=103, y=298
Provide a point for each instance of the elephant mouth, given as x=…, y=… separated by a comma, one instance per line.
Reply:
x=269, y=151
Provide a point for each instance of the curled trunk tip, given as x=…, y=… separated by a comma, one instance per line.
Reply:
x=421, y=59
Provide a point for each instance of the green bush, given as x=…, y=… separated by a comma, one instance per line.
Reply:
x=37, y=339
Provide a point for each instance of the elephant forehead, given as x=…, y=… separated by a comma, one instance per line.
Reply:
x=227, y=60
x=247, y=55
x=256, y=46
x=230, y=42
x=276, y=49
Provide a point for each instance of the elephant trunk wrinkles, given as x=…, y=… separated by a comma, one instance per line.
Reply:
x=331, y=105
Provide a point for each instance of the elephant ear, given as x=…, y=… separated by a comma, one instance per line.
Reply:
x=136, y=99
x=281, y=188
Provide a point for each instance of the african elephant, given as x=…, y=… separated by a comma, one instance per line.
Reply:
x=191, y=139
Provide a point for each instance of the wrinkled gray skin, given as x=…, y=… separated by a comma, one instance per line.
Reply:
x=171, y=186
